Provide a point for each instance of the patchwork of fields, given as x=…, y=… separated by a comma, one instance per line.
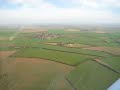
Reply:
x=66, y=59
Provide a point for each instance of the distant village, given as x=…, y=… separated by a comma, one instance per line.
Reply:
x=46, y=36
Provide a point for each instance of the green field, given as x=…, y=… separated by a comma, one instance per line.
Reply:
x=91, y=76
x=113, y=61
x=63, y=57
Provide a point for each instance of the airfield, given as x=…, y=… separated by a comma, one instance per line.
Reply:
x=58, y=59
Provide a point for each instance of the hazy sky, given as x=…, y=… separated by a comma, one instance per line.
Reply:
x=59, y=11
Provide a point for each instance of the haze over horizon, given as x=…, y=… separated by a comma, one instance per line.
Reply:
x=59, y=11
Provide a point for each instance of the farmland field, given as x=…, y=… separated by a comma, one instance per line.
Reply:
x=36, y=74
x=92, y=76
x=42, y=58
x=63, y=57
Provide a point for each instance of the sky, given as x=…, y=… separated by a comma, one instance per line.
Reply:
x=59, y=11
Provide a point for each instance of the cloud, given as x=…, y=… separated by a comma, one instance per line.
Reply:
x=97, y=3
x=30, y=3
x=41, y=11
